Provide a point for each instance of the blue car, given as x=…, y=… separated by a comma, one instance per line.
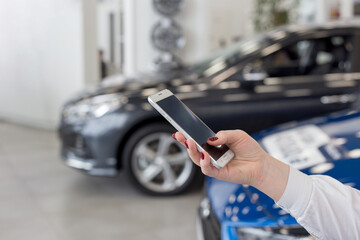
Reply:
x=327, y=145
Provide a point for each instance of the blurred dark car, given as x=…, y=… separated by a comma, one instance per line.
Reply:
x=287, y=74
x=328, y=145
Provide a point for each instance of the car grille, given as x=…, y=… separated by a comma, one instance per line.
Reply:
x=76, y=144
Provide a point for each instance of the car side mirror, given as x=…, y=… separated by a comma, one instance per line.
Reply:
x=252, y=75
x=254, y=72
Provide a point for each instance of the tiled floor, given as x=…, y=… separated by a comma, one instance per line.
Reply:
x=42, y=199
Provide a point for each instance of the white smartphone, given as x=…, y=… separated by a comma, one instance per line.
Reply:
x=186, y=122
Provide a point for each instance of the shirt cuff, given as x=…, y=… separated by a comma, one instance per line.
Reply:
x=297, y=193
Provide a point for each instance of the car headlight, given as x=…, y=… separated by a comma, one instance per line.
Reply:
x=94, y=107
x=282, y=233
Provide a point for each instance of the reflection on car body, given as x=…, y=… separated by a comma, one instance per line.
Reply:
x=283, y=75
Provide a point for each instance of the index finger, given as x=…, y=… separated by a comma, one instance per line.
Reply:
x=179, y=137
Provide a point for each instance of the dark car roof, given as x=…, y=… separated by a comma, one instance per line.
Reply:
x=353, y=24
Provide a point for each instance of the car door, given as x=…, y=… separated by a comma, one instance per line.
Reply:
x=302, y=77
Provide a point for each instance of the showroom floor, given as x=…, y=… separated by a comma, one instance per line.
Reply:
x=42, y=199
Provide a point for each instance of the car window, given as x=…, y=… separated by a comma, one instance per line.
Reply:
x=310, y=57
x=229, y=55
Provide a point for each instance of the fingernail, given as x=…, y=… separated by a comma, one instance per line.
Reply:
x=212, y=139
x=187, y=146
x=174, y=136
x=202, y=156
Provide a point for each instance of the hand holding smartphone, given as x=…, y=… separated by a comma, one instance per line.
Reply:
x=186, y=122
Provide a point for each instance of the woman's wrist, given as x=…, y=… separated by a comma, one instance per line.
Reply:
x=272, y=177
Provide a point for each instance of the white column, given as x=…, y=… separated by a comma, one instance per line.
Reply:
x=346, y=9
x=43, y=47
x=322, y=11
x=90, y=47
x=129, y=37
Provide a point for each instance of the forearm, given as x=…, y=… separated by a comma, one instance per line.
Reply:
x=273, y=178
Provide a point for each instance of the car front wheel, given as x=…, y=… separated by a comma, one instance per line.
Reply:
x=156, y=163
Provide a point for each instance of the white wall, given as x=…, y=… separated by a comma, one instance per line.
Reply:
x=207, y=23
x=229, y=20
x=195, y=21
x=324, y=7
x=49, y=48
x=42, y=62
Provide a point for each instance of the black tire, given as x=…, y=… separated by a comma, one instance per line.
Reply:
x=136, y=160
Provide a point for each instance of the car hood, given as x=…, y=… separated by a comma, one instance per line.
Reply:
x=143, y=85
x=120, y=83
x=326, y=145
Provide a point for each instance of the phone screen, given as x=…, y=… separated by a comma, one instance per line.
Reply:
x=183, y=116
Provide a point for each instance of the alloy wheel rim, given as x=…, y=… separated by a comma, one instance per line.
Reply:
x=160, y=163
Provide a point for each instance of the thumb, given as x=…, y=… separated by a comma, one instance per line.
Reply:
x=228, y=137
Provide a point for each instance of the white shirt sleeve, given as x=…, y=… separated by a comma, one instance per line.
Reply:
x=326, y=208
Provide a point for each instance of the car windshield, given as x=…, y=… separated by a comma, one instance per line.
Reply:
x=231, y=54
